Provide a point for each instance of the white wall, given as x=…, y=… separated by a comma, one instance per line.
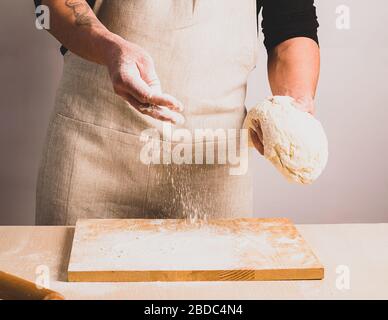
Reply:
x=30, y=68
x=351, y=104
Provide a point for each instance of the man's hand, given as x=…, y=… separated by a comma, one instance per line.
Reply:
x=131, y=69
x=134, y=78
x=256, y=135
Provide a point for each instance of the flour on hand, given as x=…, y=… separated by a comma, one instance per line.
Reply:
x=294, y=141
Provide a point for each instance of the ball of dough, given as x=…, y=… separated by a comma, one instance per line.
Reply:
x=294, y=141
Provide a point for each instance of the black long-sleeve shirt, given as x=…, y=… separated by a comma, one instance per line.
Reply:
x=282, y=20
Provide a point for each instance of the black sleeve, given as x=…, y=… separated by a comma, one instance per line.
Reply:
x=286, y=19
x=90, y=2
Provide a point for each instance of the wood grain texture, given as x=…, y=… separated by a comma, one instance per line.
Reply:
x=143, y=250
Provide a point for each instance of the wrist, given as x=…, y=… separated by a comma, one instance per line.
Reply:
x=306, y=103
x=108, y=45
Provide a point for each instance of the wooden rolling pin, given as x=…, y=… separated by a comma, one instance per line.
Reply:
x=15, y=288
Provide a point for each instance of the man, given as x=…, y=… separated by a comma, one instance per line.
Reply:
x=121, y=60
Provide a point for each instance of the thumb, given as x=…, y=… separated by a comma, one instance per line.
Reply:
x=148, y=74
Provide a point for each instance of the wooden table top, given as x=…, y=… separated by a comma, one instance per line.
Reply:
x=355, y=257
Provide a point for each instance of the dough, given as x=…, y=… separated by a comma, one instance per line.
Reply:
x=294, y=141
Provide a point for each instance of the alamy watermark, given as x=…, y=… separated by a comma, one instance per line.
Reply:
x=197, y=146
x=42, y=279
x=343, y=17
x=42, y=22
x=342, y=281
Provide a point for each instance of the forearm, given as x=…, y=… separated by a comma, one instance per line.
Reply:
x=75, y=25
x=293, y=70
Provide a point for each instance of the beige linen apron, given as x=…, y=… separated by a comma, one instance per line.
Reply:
x=204, y=51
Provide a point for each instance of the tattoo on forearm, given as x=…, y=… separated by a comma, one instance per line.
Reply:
x=81, y=11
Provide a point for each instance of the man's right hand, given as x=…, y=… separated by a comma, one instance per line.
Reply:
x=131, y=69
x=134, y=78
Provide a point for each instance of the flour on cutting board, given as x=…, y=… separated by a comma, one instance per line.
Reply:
x=170, y=244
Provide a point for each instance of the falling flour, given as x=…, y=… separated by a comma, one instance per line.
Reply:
x=184, y=201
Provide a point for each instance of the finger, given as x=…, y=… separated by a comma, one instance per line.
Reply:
x=177, y=117
x=149, y=89
x=168, y=101
x=153, y=112
x=146, y=109
x=163, y=114
x=150, y=77
x=156, y=112
x=258, y=129
x=256, y=141
x=143, y=93
x=155, y=85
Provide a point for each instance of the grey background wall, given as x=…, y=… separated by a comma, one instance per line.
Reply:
x=351, y=102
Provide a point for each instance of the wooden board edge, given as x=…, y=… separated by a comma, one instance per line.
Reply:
x=314, y=273
x=284, y=220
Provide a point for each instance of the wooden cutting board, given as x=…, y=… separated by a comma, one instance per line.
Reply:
x=175, y=250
